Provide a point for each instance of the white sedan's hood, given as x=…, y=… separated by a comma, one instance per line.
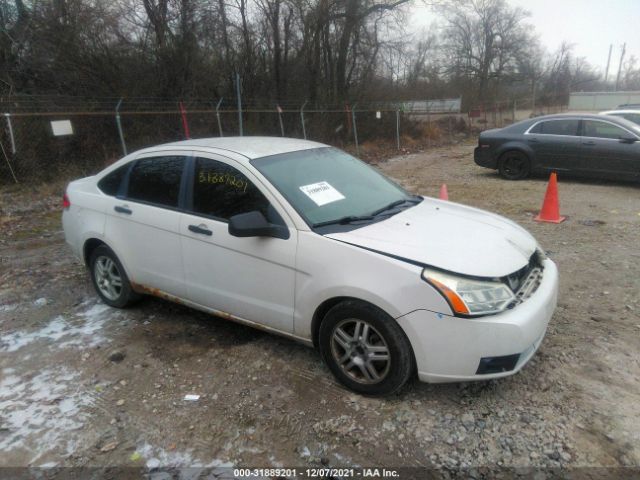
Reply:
x=449, y=236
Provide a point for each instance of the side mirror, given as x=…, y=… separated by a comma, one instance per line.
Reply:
x=628, y=139
x=253, y=224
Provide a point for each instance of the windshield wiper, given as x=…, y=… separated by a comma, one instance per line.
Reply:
x=344, y=220
x=361, y=218
x=397, y=203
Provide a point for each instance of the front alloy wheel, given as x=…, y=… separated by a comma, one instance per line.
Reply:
x=360, y=351
x=365, y=349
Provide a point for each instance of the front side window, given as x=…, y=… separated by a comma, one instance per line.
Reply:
x=557, y=127
x=221, y=191
x=595, y=129
x=156, y=180
x=110, y=184
x=326, y=185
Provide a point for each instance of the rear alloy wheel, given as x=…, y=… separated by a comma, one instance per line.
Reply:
x=365, y=349
x=109, y=278
x=514, y=165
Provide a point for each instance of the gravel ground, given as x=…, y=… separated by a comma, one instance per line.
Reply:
x=82, y=384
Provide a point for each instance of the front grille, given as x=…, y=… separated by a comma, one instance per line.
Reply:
x=526, y=281
x=530, y=285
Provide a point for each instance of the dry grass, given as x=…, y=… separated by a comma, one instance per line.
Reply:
x=408, y=142
x=376, y=148
x=431, y=131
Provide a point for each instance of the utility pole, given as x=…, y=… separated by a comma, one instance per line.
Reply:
x=606, y=72
x=624, y=49
x=239, y=95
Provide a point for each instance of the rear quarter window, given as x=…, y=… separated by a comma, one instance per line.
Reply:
x=111, y=183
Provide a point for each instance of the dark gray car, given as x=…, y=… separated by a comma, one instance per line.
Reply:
x=595, y=145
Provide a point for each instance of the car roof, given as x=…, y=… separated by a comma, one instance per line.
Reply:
x=522, y=125
x=578, y=115
x=249, y=147
x=623, y=122
x=611, y=112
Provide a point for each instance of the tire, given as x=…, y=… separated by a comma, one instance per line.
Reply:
x=350, y=359
x=514, y=165
x=105, y=270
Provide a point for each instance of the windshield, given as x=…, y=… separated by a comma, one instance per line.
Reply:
x=327, y=185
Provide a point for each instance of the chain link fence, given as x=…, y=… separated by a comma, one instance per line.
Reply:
x=33, y=150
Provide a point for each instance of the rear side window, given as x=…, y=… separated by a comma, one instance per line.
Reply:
x=222, y=191
x=593, y=128
x=557, y=127
x=110, y=185
x=156, y=180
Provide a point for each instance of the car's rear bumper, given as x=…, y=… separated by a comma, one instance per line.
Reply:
x=483, y=156
x=451, y=349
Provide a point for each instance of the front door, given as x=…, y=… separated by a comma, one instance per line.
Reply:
x=251, y=278
x=604, y=153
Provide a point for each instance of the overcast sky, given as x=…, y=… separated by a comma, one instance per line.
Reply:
x=592, y=25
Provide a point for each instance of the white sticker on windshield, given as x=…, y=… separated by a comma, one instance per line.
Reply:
x=321, y=193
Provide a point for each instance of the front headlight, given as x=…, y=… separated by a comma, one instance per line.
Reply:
x=468, y=296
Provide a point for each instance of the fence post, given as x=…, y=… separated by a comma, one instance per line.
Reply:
x=185, y=124
x=218, y=116
x=239, y=95
x=11, y=137
x=279, y=110
x=304, y=130
x=8, y=163
x=119, y=125
x=398, y=127
x=429, y=125
x=355, y=128
x=450, y=134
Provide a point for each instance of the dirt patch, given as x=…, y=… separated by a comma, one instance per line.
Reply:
x=266, y=401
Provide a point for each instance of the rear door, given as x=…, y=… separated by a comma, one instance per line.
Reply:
x=251, y=278
x=556, y=144
x=603, y=151
x=143, y=221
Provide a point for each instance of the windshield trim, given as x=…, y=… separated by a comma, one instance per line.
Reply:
x=333, y=227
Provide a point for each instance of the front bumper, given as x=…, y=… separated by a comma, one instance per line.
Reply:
x=450, y=349
x=484, y=157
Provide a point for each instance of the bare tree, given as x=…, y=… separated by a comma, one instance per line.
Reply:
x=483, y=39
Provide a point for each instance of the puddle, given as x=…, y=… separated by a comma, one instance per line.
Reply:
x=40, y=414
x=82, y=330
x=168, y=463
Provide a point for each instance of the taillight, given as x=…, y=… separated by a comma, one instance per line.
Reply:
x=65, y=201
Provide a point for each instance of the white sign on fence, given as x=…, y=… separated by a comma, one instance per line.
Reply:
x=61, y=127
x=378, y=115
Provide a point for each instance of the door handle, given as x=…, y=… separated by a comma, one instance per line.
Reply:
x=202, y=230
x=124, y=209
x=533, y=140
x=590, y=143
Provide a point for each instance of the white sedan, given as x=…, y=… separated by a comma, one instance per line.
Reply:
x=631, y=115
x=303, y=240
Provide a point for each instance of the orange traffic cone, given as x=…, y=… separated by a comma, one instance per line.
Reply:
x=550, y=211
x=444, y=195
